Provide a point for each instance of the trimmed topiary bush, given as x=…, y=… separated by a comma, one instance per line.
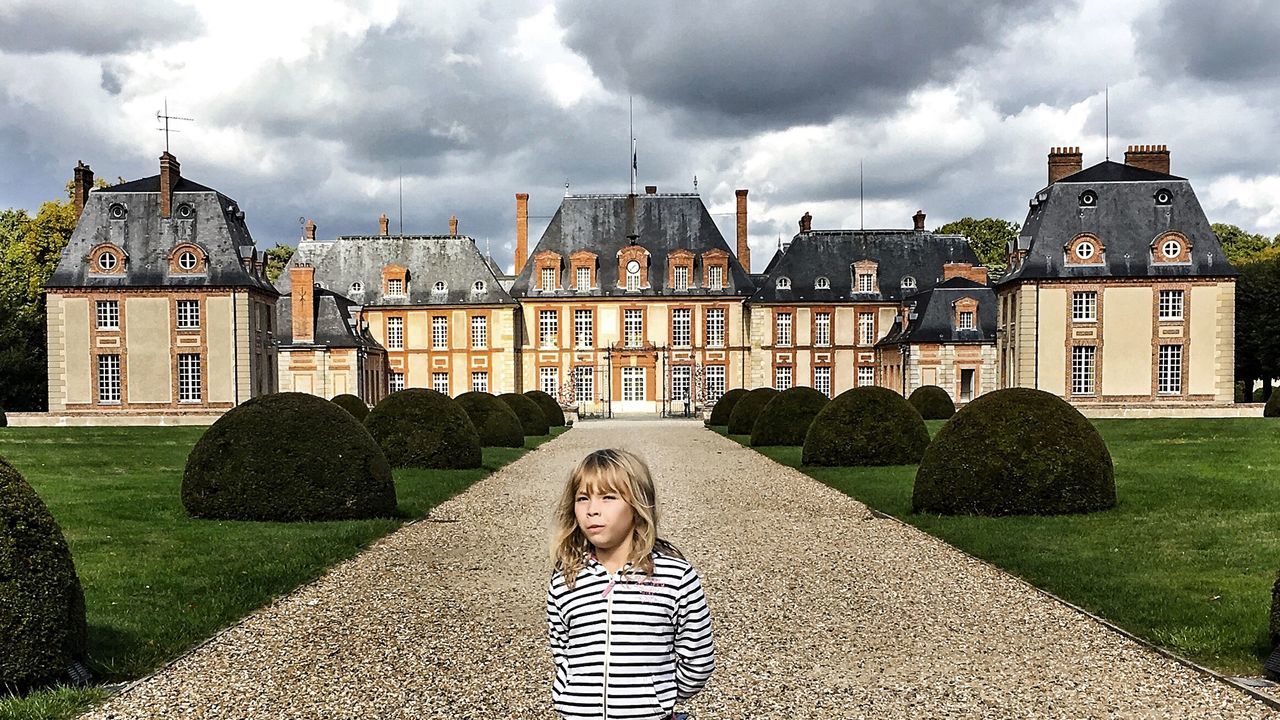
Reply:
x=1274, y=625
x=288, y=457
x=1016, y=451
x=42, y=620
x=1272, y=408
x=866, y=426
x=786, y=419
x=932, y=402
x=496, y=422
x=747, y=409
x=532, y=419
x=723, y=408
x=423, y=428
x=4, y=421
x=549, y=407
x=353, y=405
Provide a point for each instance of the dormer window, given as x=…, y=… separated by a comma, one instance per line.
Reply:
x=395, y=286
x=966, y=314
x=357, y=287
x=908, y=283
x=1089, y=199
x=187, y=259
x=1084, y=250
x=185, y=211
x=864, y=276
x=107, y=262
x=547, y=271
x=680, y=269
x=1164, y=197
x=547, y=282
x=784, y=283
x=822, y=283
x=440, y=288
x=633, y=275
x=966, y=320
x=478, y=286
x=106, y=259
x=1171, y=249
x=117, y=211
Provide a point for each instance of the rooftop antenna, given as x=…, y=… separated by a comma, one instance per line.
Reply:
x=166, y=117
x=566, y=187
x=695, y=184
x=1106, y=118
x=861, y=224
x=631, y=121
x=402, y=201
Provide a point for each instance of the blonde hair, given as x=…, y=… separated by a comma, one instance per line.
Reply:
x=627, y=475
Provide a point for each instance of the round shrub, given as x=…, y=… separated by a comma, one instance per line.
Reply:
x=866, y=426
x=4, y=421
x=1016, y=451
x=1272, y=408
x=496, y=422
x=42, y=620
x=1274, y=625
x=353, y=405
x=723, y=408
x=786, y=419
x=932, y=402
x=287, y=457
x=532, y=419
x=423, y=428
x=550, y=408
x=747, y=409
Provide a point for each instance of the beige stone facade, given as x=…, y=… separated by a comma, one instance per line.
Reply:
x=788, y=348
x=449, y=349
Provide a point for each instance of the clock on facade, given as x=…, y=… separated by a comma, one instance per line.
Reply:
x=633, y=267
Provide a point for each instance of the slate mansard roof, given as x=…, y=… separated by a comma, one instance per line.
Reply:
x=1125, y=217
x=661, y=222
x=932, y=315
x=831, y=254
x=216, y=226
x=336, y=320
x=453, y=259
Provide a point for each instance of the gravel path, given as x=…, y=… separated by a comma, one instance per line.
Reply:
x=820, y=611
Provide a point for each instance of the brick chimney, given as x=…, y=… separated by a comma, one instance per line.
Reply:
x=522, y=230
x=806, y=223
x=310, y=232
x=1148, y=157
x=82, y=185
x=918, y=219
x=302, y=280
x=170, y=175
x=650, y=189
x=383, y=225
x=744, y=247
x=1064, y=161
x=453, y=224
x=976, y=273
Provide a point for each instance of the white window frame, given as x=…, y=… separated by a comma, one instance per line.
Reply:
x=1172, y=304
x=1084, y=249
x=1084, y=364
x=822, y=329
x=633, y=281
x=189, y=373
x=395, y=381
x=715, y=277
x=395, y=287
x=549, y=380
x=822, y=379
x=479, y=332
x=682, y=327
x=866, y=282
x=633, y=384
x=866, y=328
x=109, y=382
x=682, y=277
x=966, y=320
x=715, y=327
x=547, y=279
x=440, y=382
x=713, y=376
x=583, y=327
x=866, y=375
x=583, y=280
x=1084, y=306
x=584, y=383
x=632, y=327
x=681, y=383
x=1169, y=370
x=782, y=377
x=479, y=381
x=782, y=329
x=395, y=333
x=1171, y=249
x=439, y=332
x=108, y=314
x=188, y=312
x=548, y=328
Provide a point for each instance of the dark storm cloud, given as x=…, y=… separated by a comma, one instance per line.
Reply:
x=1220, y=42
x=111, y=80
x=778, y=64
x=92, y=28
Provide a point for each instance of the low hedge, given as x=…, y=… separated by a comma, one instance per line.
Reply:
x=549, y=407
x=747, y=409
x=866, y=426
x=353, y=405
x=42, y=617
x=1016, y=451
x=287, y=457
x=1272, y=408
x=423, y=428
x=495, y=421
x=786, y=419
x=723, y=407
x=932, y=402
x=532, y=419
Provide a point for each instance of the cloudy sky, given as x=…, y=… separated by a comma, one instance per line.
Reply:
x=317, y=109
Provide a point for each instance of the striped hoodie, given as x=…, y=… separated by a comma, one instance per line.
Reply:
x=627, y=645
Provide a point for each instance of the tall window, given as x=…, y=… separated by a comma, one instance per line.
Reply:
x=395, y=333
x=632, y=384
x=1084, y=306
x=440, y=382
x=822, y=329
x=395, y=286
x=439, y=332
x=866, y=283
x=189, y=377
x=479, y=331
x=1082, y=373
x=715, y=277
x=715, y=382
x=782, y=377
x=583, y=328
x=548, y=328
x=682, y=277
x=584, y=278
x=715, y=327
x=395, y=381
x=480, y=381
x=680, y=382
x=633, y=276
x=822, y=380
x=682, y=327
x=782, y=330
x=188, y=314
x=549, y=380
x=1170, y=370
x=866, y=376
x=1170, y=304
x=108, y=378
x=108, y=314
x=632, y=327
x=866, y=328
x=584, y=386
x=548, y=279
x=966, y=319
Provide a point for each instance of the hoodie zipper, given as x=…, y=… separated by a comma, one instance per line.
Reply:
x=608, y=633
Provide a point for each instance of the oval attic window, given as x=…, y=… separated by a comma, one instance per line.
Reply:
x=107, y=262
x=1171, y=248
x=187, y=260
x=1084, y=249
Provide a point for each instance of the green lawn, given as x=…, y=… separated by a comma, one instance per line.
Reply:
x=1186, y=559
x=157, y=582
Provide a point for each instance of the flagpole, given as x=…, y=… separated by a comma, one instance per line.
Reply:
x=631, y=125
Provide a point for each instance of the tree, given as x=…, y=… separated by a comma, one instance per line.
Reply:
x=1238, y=245
x=989, y=238
x=277, y=258
x=1258, y=322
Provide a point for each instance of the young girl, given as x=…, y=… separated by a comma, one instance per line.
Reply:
x=629, y=626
